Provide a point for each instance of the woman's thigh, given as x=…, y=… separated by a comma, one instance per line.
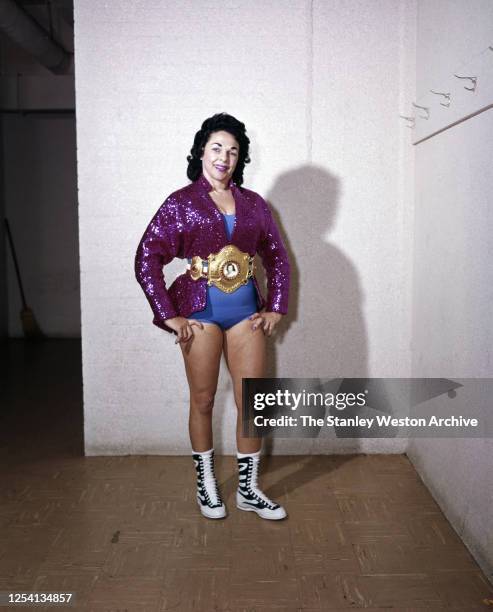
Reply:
x=245, y=353
x=202, y=357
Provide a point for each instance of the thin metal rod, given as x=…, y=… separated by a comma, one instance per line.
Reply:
x=481, y=110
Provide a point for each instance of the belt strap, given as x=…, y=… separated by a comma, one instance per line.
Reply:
x=205, y=266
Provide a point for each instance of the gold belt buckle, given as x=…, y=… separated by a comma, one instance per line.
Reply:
x=196, y=267
x=229, y=268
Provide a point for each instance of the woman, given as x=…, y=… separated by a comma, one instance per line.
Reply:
x=216, y=304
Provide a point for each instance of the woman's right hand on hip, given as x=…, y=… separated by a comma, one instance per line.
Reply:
x=183, y=328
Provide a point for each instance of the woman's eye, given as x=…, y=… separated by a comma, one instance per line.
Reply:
x=216, y=150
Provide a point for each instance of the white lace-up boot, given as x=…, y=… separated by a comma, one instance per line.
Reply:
x=208, y=497
x=249, y=497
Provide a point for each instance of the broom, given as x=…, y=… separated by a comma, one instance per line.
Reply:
x=29, y=325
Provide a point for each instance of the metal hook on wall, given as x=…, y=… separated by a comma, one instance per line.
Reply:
x=412, y=120
x=472, y=79
x=445, y=95
x=425, y=108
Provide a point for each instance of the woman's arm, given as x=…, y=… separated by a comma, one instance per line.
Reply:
x=276, y=263
x=160, y=244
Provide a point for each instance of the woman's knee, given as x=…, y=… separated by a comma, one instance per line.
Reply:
x=202, y=402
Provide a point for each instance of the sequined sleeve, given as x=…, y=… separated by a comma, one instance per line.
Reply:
x=276, y=263
x=160, y=244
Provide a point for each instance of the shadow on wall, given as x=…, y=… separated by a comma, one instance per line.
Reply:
x=326, y=298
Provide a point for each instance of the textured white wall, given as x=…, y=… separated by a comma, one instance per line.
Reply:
x=452, y=332
x=320, y=86
x=453, y=276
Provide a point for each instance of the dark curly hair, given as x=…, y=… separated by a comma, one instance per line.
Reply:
x=228, y=123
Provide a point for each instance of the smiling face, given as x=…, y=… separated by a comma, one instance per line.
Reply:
x=220, y=157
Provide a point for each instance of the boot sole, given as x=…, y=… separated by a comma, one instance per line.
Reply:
x=259, y=513
x=203, y=512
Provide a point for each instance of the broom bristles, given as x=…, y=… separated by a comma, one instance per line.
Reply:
x=30, y=326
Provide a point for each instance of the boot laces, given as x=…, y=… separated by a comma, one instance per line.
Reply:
x=254, y=485
x=210, y=483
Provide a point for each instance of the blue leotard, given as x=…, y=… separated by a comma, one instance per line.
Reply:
x=227, y=309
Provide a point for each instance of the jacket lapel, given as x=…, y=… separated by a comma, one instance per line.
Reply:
x=205, y=187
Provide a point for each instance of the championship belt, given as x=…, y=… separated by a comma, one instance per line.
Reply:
x=227, y=270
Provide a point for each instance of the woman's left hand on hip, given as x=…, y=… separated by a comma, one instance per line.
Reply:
x=266, y=320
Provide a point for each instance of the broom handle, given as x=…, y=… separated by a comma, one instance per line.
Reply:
x=11, y=242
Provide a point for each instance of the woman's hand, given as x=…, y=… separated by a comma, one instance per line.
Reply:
x=183, y=328
x=266, y=320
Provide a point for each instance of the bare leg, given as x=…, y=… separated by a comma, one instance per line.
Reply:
x=245, y=354
x=202, y=356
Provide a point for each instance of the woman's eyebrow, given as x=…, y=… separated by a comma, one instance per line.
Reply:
x=218, y=143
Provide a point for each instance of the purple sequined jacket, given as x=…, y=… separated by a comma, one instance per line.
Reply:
x=189, y=223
